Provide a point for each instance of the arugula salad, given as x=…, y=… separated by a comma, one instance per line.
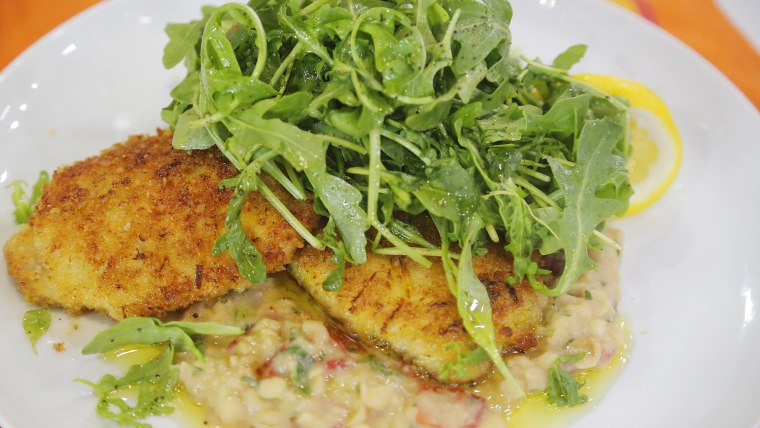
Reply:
x=385, y=110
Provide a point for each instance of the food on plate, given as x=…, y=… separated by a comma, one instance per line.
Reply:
x=393, y=302
x=657, y=146
x=292, y=366
x=295, y=365
x=436, y=196
x=131, y=231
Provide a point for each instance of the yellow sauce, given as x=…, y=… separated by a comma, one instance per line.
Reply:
x=533, y=411
x=187, y=412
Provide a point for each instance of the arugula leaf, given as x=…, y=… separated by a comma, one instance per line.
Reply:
x=303, y=150
x=343, y=201
x=23, y=209
x=149, y=331
x=188, y=135
x=449, y=191
x=596, y=164
x=182, y=40
x=36, y=323
x=569, y=57
x=154, y=381
x=481, y=28
x=564, y=389
x=474, y=305
x=334, y=281
x=249, y=261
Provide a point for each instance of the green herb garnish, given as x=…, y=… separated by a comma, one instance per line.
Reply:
x=24, y=206
x=460, y=366
x=564, y=389
x=152, y=382
x=386, y=110
x=304, y=361
x=36, y=323
x=149, y=331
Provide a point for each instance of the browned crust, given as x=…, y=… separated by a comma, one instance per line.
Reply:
x=130, y=232
x=394, y=302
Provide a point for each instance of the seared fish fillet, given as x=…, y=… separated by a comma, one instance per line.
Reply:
x=394, y=302
x=129, y=232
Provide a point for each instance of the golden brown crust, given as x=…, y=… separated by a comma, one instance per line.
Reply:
x=130, y=231
x=395, y=302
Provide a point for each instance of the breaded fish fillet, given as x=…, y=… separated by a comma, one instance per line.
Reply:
x=396, y=303
x=130, y=231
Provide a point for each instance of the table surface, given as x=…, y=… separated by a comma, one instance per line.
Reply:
x=699, y=23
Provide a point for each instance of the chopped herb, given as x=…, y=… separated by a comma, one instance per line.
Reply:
x=304, y=361
x=463, y=362
x=36, y=323
x=587, y=295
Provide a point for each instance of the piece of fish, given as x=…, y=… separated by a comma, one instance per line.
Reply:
x=130, y=231
x=395, y=303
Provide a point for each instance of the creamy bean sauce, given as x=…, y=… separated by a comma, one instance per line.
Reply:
x=293, y=369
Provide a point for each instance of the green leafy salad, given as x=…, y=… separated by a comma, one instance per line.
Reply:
x=386, y=110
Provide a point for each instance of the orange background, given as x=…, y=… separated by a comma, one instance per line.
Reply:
x=699, y=23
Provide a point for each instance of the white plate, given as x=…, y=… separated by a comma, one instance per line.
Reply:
x=691, y=267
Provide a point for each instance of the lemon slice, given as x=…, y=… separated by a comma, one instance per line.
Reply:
x=657, y=147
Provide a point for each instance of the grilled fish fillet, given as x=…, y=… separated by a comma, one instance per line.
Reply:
x=395, y=303
x=130, y=232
